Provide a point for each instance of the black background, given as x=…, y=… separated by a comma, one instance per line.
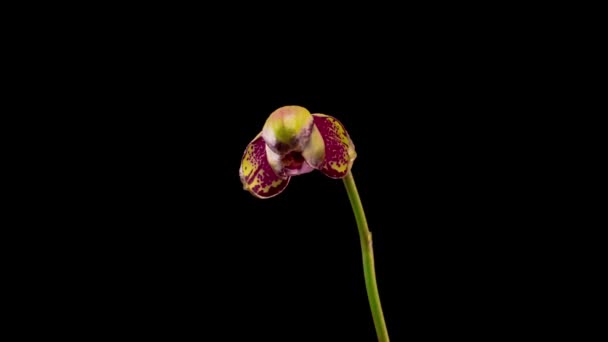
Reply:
x=163, y=241
x=179, y=246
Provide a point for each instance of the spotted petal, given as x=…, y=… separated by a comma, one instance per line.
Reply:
x=339, y=149
x=256, y=173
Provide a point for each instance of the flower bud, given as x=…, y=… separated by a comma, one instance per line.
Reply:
x=288, y=129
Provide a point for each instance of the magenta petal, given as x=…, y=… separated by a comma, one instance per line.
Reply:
x=256, y=173
x=339, y=149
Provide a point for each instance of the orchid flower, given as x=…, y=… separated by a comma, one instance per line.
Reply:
x=294, y=142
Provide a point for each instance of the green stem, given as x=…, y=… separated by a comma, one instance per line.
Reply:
x=368, y=258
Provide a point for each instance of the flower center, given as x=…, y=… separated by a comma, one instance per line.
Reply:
x=292, y=160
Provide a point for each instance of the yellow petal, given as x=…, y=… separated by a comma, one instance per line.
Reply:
x=256, y=173
x=339, y=148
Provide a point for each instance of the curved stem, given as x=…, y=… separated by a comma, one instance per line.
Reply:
x=368, y=258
